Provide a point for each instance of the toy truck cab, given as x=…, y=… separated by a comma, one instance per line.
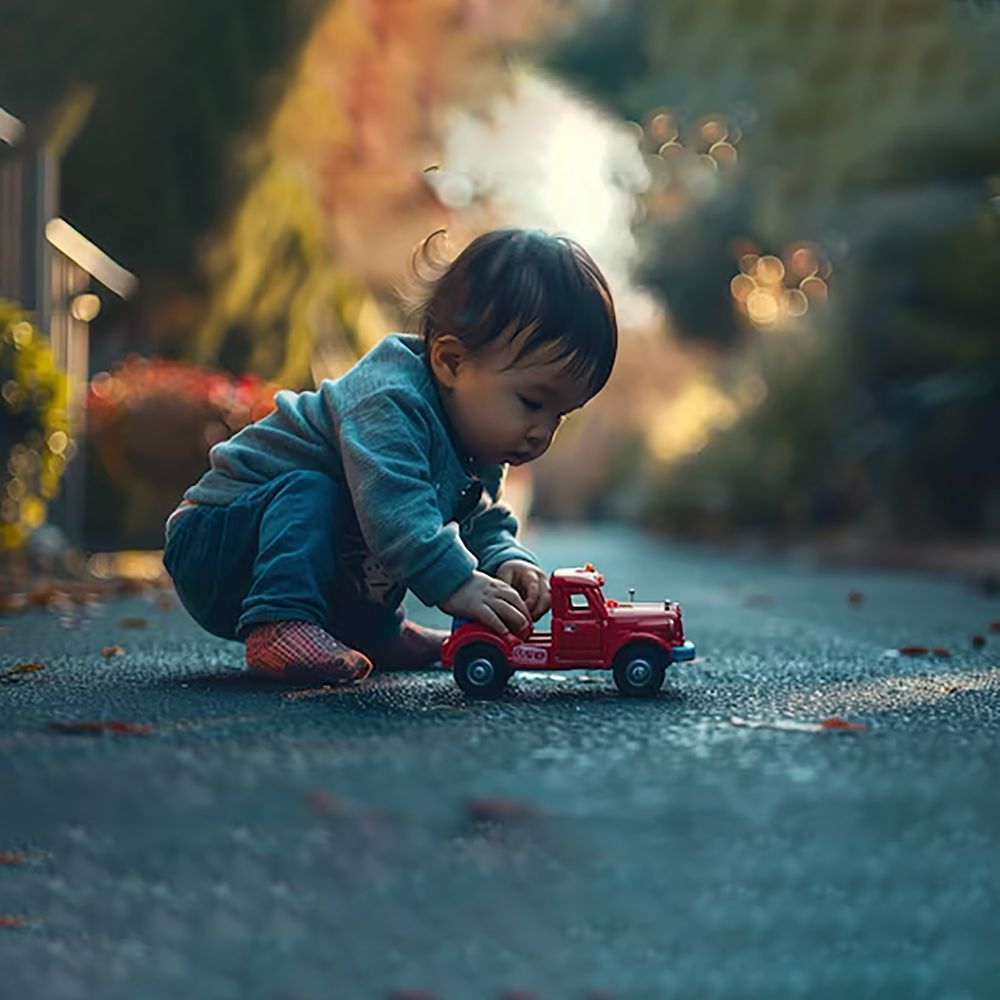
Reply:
x=636, y=641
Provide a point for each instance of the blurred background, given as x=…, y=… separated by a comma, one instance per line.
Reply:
x=798, y=208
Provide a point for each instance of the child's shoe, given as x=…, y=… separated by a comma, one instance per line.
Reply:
x=303, y=652
x=415, y=648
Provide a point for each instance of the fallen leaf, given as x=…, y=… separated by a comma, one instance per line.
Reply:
x=995, y=626
x=134, y=622
x=326, y=804
x=166, y=602
x=13, y=857
x=796, y=726
x=836, y=722
x=13, y=602
x=913, y=650
x=499, y=807
x=103, y=726
x=978, y=641
x=855, y=597
x=941, y=651
x=112, y=650
x=42, y=597
x=12, y=920
x=23, y=668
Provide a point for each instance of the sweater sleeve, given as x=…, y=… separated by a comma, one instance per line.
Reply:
x=384, y=443
x=492, y=534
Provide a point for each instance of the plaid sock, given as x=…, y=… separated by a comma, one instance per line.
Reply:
x=302, y=651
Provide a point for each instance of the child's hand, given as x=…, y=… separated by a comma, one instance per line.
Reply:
x=493, y=602
x=531, y=582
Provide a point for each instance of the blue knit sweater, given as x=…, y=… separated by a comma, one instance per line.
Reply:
x=429, y=516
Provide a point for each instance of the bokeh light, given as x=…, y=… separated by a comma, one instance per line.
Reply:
x=774, y=291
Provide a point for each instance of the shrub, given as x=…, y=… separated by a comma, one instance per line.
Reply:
x=34, y=439
x=150, y=425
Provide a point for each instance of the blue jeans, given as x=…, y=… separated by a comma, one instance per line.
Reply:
x=273, y=554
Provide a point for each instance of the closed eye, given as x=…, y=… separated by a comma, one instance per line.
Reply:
x=529, y=404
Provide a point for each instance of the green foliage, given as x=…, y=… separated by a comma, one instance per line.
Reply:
x=890, y=422
x=890, y=416
x=33, y=440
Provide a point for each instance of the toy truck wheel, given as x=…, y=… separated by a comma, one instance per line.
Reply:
x=481, y=670
x=639, y=669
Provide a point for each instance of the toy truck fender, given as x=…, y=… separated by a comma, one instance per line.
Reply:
x=469, y=633
x=633, y=637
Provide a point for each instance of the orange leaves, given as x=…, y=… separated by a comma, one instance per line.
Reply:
x=112, y=650
x=917, y=650
x=836, y=722
x=22, y=668
x=100, y=727
x=499, y=808
x=10, y=603
x=832, y=724
x=324, y=804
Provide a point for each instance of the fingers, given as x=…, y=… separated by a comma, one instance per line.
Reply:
x=501, y=617
x=489, y=618
x=529, y=582
x=531, y=594
x=510, y=595
x=514, y=619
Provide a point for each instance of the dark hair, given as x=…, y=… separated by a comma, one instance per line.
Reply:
x=513, y=281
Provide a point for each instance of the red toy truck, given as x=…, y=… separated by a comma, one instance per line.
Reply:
x=636, y=641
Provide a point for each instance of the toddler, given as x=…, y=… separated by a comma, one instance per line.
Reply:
x=311, y=524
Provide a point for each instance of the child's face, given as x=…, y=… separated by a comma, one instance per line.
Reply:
x=504, y=414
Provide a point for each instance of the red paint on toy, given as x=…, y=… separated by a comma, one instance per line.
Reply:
x=637, y=641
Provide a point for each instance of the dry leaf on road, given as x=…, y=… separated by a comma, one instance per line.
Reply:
x=797, y=726
x=23, y=668
x=96, y=728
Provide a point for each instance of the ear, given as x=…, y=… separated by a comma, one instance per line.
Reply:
x=447, y=355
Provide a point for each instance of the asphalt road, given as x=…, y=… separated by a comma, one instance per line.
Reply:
x=395, y=840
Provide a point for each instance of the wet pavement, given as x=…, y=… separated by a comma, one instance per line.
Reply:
x=397, y=840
